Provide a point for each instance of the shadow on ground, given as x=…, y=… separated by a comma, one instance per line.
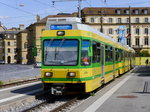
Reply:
x=143, y=71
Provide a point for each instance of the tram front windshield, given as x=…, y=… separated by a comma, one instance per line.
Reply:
x=60, y=52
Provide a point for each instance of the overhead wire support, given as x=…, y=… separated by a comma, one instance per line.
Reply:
x=79, y=4
x=38, y=1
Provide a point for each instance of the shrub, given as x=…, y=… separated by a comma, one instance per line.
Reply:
x=1, y=82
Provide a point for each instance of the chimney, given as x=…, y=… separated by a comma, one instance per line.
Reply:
x=37, y=18
x=21, y=26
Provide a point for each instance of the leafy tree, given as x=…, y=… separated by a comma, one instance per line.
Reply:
x=144, y=53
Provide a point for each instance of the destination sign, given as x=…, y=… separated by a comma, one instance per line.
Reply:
x=61, y=27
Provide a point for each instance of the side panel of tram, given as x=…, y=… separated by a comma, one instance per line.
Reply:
x=85, y=66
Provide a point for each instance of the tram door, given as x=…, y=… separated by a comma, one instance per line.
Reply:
x=102, y=58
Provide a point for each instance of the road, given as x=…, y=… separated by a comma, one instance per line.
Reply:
x=129, y=93
x=15, y=71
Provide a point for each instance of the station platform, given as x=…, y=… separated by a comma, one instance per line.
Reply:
x=128, y=93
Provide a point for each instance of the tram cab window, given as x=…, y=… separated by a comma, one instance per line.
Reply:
x=96, y=51
x=85, y=53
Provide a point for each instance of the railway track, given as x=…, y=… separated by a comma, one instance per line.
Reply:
x=39, y=105
x=19, y=83
x=65, y=105
x=52, y=99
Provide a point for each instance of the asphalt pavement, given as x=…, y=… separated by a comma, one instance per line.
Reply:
x=10, y=72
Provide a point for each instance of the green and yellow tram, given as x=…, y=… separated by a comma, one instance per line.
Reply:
x=77, y=58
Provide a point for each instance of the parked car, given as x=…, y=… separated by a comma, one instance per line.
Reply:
x=2, y=62
x=37, y=65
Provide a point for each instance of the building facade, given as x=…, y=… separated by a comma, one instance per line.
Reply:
x=8, y=46
x=136, y=21
x=34, y=32
x=22, y=47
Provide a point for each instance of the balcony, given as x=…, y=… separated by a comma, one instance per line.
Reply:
x=137, y=46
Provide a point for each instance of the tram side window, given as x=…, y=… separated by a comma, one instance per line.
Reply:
x=85, y=58
x=117, y=54
x=126, y=55
x=120, y=55
x=96, y=51
x=108, y=53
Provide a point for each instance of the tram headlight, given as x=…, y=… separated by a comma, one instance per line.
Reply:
x=60, y=33
x=71, y=74
x=48, y=74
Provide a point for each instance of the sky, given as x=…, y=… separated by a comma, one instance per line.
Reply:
x=15, y=12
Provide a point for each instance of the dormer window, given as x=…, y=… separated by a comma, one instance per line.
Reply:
x=126, y=11
x=118, y=11
x=145, y=11
x=136, y=11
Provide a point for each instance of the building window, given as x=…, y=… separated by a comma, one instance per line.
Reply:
x=92, y=20
x=119, y=20
x=110, y=20
x=137, y=31
x=146, y=31
x=8, y=50
x=127, y=20
x=118, y=11
x=14, y=36
x=146, y=20
x=128, y=41
x=25, y=45
x=145, y=11
x=110, y=31
x=128, y=30
x=126, y=11
x=146, y=41
x=15, y=50
x=137, y=41
x=136, y=20
x=136, y=11
x=8, y=36
x=8, y=43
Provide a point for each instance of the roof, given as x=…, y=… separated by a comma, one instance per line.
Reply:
x=112, y=10
x=9, y=32
x=44, y=20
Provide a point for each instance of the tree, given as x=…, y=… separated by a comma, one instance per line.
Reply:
x=144, y=53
